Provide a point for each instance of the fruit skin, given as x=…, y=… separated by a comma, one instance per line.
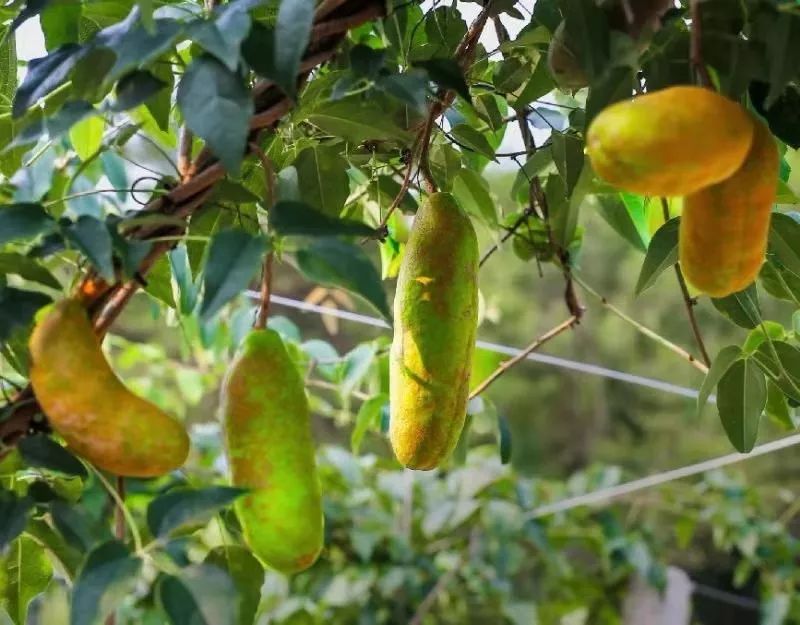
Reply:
x=724, y=228
x=88, y=405
x=436, y=317
x=270, y=447
x=670, y=142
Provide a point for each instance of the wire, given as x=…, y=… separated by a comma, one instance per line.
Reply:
x=507, y=350
x=606, y=494
x=748, y=603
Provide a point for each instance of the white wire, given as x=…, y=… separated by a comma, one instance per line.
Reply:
x=606, y=494
x=507, y=350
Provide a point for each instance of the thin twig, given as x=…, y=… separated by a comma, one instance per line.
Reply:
x=505, y=366
x=696, y=45
x=119, y=515
x=688, y=300
x=427, y=603
x=642, y=328
x=381, y=229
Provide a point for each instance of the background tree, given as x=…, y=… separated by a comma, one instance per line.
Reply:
x=160, y=152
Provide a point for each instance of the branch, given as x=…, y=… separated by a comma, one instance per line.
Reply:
x=644, y=329
x=105, y=301
x=696, y=45
x=688, y=300
x=266, y=287
x=505, y=366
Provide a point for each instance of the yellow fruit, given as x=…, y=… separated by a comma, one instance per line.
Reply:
x=670, y=142
x=271, y=451
x=724, y=228
x=436, y=316
x=87, y=404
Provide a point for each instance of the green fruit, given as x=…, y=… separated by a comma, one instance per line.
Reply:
x=271, y=451
x=436, y=316
x=87, y=404
x=564, y=63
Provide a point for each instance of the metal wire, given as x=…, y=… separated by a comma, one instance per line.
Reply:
x=563, y=363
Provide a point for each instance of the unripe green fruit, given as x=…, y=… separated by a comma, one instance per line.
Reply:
x=436, y=316
x=270, y=448
x=564, y=64
x=87, y=404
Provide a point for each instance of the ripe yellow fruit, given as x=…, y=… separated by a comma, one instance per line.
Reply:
x=88, y=405
x=271, y=451
x=670, y=142
x=724, y=228
x=436, y=317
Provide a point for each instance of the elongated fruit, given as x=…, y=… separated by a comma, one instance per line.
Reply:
x=271, y=451
x=436, y=315
x=87, y=404
x=670, y=142
x=724, y=228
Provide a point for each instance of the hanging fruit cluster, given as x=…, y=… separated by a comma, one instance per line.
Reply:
x=693, y=142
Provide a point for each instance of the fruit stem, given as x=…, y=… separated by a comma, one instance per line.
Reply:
x=696, y=45
x=641, y=328
x=137, y=539
x=266, y=286
x=687, y=299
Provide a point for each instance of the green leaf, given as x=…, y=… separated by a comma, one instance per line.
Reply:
x=335, y=263
x=741, y=308
x=784, y=241
x=774, y=331
x=356, y=365
x=292, y=32
x=87, y=136
x=40, y=450
x=322, y=177
x=627, y=216
x=778, y=409
x=234, y=257
x=23, y=221
x=60, y=21
x=27, y=268
x=136, y=88
x=662, y=253
x=133, y=44
x=76, y=526
x=14, y=512
x=586, y=28
x=446, y=73
x=247, y=575
x=568, y=157
x=217, y=108
x=68, y=558
x=780, y=361
x=223, y=36
x=17, y=308
x=779, y=282
x=445, y=165
x=719, y=367
x=45, y=74
x=473, y=140
x=159, y=283
x=356, y=120
x=472, y=193
x=368, y=417
x=298, y=218
x=258, y=49
x=92, y=238
x=181, y=271
x=8, y=69
x=741, y=398
x=108, y=575
x=182, y=506
x=160, y=104
x=24, y=573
